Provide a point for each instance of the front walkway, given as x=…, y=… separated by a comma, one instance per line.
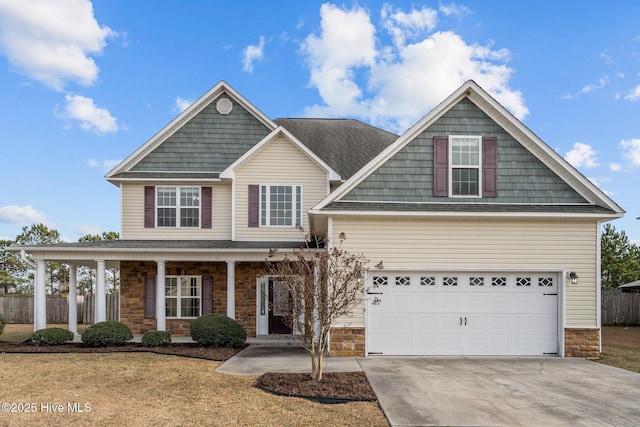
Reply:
x=257, y=360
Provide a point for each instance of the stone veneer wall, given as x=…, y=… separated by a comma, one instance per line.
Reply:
x=133, y=275
x=346, y=342
x=582, y=342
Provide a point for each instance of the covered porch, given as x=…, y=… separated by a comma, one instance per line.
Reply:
x=227, y=273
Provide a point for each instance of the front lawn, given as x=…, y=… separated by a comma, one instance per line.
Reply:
x=621, y=347
x=17, y=332
x=149, y=389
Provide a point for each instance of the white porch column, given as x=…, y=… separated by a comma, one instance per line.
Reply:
x=72, y=299
x=161, y=314
x=101, y=296
x=231, y=289
x=40, y=297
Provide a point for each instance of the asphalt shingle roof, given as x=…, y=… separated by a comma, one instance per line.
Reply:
x=346, y=145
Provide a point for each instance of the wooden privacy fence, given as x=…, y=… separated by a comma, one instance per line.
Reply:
x=19, y=308
x=620, y=309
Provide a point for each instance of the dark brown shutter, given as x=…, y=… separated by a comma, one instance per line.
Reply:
x=150, y=298
x=207, y=295
x=440, y=166
x=254, y=205
x=489, y=166
x=149, y=207
x=205, y=208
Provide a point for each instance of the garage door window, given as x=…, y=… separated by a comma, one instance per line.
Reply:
x=499, y=281
x=476, y=281
x=427, y=281
x=545, y=281
x=380, y=281
x=523, y=281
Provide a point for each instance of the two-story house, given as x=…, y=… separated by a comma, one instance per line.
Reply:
x=482, y=240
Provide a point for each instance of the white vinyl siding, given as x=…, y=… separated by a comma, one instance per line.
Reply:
x=133, y=215
x=484, y=244
x=282, y=163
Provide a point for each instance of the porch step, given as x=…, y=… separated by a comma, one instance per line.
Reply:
x=274, y=341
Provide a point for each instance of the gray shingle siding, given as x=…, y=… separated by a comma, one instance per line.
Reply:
x=408, y=176
x=209, y=142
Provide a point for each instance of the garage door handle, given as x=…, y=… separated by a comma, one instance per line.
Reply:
x=465, y=321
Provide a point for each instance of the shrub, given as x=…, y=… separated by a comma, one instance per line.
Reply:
x=105, y=334
x=2, y=323
x=156, y=339
x=51, y=336
x=217, y=330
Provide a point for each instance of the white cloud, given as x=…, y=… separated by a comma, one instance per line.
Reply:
x=52, y=41
x=251, y=54
x=582, y=155
x=182, y=104
x=615, y=167
x=22, y=215
x=106, y=165
x=454, y=9
x=392, y=86
x=84, y=229
x=631, y=148
x=403, y=26
x=633, y=95
x=90, y=117
x=602, y=82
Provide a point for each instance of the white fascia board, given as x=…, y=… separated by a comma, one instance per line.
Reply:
x=532, y=142
x=184, y=117
x=465, y=214
x=229, y=173
x=501, y=116
x=117, y=181
x=396, y=146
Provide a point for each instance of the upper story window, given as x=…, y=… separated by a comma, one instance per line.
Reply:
x=465, y=165
x=178, y=206
x=280, y=205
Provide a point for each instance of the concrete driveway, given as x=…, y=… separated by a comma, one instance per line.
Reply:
x=503, y=391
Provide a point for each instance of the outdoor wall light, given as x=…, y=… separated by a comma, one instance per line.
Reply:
x=574, y=278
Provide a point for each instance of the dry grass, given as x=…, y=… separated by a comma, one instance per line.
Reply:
x=156, y=390
x=621, y=347
x=16, y=332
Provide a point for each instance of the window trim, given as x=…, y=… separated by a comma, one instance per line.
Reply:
x=451, y=167
x=297, y=206
x=179, y=296
x=178, y=206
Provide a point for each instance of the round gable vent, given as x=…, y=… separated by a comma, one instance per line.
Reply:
x=224, y=106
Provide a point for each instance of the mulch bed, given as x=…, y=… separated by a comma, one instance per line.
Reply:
x=336, y=387
x=175, y=349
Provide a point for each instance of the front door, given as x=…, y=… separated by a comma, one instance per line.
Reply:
x=279, y=301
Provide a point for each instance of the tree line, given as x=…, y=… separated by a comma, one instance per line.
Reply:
x=17, y=277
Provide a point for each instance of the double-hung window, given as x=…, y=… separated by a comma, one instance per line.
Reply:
x=178, y=206
x=465, y=167
x=280, y=205
x=183, y=296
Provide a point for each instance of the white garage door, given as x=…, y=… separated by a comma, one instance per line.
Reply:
x=462, y=313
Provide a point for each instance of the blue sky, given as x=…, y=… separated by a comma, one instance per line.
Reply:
x=83, y=84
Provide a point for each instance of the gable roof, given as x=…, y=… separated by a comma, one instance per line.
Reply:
x=345, y=144
x=508, y=122
x=276, y=133
x=130, y=168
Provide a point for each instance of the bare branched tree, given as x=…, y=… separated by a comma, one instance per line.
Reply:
x=323, y=285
